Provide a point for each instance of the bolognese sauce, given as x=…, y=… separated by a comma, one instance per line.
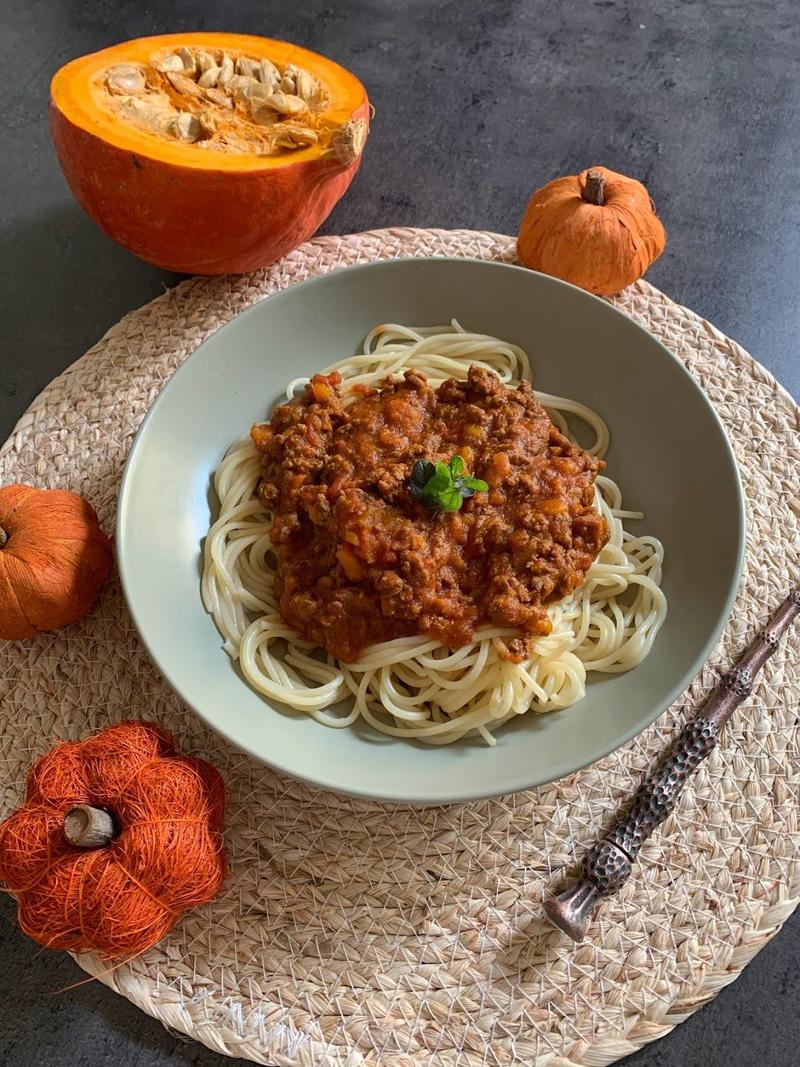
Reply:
x=360, y=560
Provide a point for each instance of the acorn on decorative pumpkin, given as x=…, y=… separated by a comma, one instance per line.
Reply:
x=119, y=835
x=208, y=153
x=54, y=559
x=597, y=229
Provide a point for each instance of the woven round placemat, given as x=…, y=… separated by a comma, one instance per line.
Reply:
x=353, y=934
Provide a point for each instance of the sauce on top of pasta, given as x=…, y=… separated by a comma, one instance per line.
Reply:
x=361, y=561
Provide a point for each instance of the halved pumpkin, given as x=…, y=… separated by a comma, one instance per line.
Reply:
x=208, y=153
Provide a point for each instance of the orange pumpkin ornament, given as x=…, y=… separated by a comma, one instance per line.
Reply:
x=597, y=229
x=118, y=836
x=54, y=558
x=208, y=153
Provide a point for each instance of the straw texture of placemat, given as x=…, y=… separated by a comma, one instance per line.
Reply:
x=352, y=934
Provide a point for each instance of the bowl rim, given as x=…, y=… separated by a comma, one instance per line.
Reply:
x=559, y=770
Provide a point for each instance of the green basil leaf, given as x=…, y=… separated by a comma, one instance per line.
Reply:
x=422, y=471
x=450, y=499
x=441, y=486
x=457, y=466
x=475, y=485
x=438, y=483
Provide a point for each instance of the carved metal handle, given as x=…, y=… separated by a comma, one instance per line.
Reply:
x=608, y=864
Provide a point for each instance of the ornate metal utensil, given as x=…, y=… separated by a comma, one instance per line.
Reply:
x=609, y=862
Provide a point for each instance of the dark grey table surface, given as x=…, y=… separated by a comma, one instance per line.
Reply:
x=477, y=104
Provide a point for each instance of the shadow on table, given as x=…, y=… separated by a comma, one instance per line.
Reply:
x=65, y=283
x=53, y=1013
x=157, y=1044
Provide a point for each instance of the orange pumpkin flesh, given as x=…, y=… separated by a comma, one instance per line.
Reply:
x=597, y=229
x=187, y=209
x=54, y=558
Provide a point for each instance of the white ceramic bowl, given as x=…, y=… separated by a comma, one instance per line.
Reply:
x=669, y=454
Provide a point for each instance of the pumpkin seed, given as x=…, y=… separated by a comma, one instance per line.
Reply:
x=183, y=85
x=226, y=70
x=291, y=136
x=186, y=127
x=258, y=91
x=216, y=96
x=171, y=62
x=286, y=104
x=306, y=85
x=263, y=114
x=205, y=61
x=147, y=113
x=208, y=79
x=273, y=85
x=125, y=78
x=239, y=85
x=269, y=74
x=209, y=123
x=248, y=67
x=188, y=61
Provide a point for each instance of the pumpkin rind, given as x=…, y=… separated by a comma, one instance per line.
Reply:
x=599, y=247
x=54, y=562
x=191, y=211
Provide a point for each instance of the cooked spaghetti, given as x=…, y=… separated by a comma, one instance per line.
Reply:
x=447, y=622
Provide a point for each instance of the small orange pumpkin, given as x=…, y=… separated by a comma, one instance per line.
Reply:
x=119, y=834
x=54, y=558
x=597, y=229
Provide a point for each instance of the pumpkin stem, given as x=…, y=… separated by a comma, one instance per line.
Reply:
x=593, y=188
x=88, y=827
x=3, y=537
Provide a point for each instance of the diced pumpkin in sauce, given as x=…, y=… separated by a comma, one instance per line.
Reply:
x=321, y=391
x=261, y=433
x=552, y=506
x=351, y=565
x=499, y=469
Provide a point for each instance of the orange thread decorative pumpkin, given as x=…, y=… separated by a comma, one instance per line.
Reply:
x=597, y=229
x=208, y=153
x=54, y=558
x=118, y=836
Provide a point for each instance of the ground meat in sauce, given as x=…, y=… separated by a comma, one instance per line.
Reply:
x=359, y=561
